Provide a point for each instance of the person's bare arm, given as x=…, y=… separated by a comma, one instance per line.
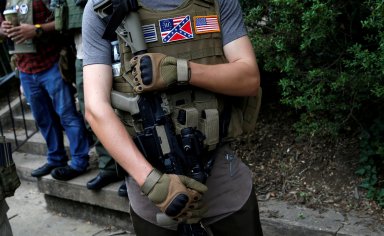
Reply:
x=107, y=126
x=239, y=77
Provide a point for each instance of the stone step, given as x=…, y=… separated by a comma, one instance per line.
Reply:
x=72, y=197
x=16, y=108
x=30, y=122
x=37, y=145
x=18, y=137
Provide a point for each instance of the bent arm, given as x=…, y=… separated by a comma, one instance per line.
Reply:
x=27, y=31
x=107, y=126
x=239, y=77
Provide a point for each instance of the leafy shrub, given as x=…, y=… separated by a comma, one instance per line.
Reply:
x=329, y=56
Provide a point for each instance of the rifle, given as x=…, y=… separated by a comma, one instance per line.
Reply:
x=158, y=142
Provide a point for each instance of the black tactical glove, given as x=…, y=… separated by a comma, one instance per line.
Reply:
x=156, y=71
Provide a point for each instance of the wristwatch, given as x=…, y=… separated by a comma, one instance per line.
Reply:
x=39, y=31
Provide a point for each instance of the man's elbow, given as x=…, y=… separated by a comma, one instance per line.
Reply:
x=89, y=115
x=254, y=86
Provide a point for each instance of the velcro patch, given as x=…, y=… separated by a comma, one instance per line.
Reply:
x=176, y=29
x=149, y=32
x=206, y=24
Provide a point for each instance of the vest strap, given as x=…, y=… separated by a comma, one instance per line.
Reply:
x=120, y=10
x=183, y=75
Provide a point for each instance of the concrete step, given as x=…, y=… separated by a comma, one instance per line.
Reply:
x=30, y=122
x=72, y=197
x=18, y=137
x=17, y=107
x=37, y=145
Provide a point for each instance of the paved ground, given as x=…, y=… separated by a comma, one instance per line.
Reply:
x=29, y=217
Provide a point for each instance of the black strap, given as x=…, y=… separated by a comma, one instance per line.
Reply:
x=121, y=8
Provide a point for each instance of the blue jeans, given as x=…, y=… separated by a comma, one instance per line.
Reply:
x=53, y=107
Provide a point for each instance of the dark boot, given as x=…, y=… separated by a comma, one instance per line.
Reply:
x=43, y=170
x=103, y=179
x=122, y=192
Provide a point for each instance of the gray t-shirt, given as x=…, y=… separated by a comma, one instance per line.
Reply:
x=230, y=182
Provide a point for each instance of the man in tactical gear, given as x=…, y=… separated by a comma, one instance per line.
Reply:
x=173, y=97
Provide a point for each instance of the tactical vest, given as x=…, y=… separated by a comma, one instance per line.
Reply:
x=218, y=117
x=75, y=15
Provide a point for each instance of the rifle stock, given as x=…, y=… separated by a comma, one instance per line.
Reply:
x=124, y=102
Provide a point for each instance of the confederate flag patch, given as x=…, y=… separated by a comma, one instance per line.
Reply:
x=176, y=29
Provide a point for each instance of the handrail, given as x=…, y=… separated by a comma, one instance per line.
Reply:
x=6, y=78
x=17, y=132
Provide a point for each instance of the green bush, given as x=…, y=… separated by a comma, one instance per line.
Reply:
x=329, y=54
x=329, y=57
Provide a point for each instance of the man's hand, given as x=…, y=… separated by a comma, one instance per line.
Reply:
x=176, y=195
x=5, y=25
x=20, y=33
x=156, y=71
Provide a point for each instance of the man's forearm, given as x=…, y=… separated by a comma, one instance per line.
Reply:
x=48, y=27
x=112, y=133
x=239, y=77
x=226, y=78
x=107, y=126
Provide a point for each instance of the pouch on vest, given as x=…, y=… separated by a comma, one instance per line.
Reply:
x=244, y=114
x=9, y=180
x=61, y=13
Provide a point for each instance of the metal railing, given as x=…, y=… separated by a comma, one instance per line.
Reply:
x=13, y=122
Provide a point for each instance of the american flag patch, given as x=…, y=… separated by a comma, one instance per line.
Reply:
x=175, y=29
x=206, y=24
x=149, y=32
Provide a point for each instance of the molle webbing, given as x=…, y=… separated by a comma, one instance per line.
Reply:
x=75, y=15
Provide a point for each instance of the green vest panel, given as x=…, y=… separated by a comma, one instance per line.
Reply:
x=75, y=15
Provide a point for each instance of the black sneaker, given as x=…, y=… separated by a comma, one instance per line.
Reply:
x=43, y=170
x=65, y=173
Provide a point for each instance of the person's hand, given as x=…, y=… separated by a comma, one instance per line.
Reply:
x=20, y=33
x=156, y=71
x=177, y=196
x=5, y=26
